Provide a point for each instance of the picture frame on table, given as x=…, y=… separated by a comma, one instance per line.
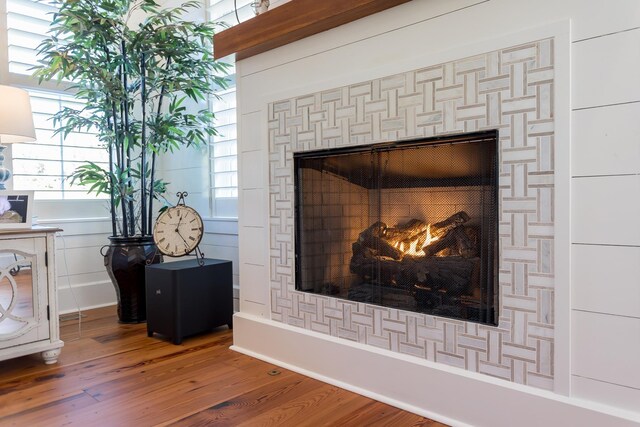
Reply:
x=16, y=209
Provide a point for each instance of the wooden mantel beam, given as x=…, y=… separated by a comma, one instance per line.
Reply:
x=293, y=21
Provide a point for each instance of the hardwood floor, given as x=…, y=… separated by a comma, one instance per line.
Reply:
x=114, y=375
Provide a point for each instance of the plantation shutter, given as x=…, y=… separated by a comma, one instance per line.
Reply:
x=44, y=164
x=224, y=154
x=27, y=24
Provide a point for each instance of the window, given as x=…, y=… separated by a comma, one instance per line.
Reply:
x=224, y=155
x=44, y=164
x=27, y=24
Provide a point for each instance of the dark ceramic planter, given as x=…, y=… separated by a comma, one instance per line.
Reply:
x=125, y=260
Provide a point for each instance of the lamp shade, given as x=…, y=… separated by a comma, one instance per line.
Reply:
x=16, y=119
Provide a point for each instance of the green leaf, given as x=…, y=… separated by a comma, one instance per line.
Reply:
x=93, y=44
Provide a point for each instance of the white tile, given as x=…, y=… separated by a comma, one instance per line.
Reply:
x=606, y=141
x=605, y=210
x=605, y=279
x=604, y=70
x=606, y=348
x=602, y=392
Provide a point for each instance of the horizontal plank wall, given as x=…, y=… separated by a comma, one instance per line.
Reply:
x=606, y=183
x=83, y=282
x=604, y=153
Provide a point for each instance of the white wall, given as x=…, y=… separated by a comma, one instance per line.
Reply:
x=606, y=246
x=82, y=279
x=188, y=170
x=605, y=156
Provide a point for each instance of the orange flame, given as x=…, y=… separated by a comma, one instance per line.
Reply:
x=430, y=239
x=413, y=248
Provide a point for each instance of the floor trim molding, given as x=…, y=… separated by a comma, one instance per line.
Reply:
x=449, y=395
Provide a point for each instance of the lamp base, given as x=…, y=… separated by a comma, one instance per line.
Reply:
x=5, y=173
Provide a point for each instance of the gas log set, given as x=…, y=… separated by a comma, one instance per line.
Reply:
x=433, y=262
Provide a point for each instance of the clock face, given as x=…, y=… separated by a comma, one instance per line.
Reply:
x=178, y=231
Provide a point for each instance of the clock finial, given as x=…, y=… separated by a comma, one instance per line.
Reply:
x=181, y=195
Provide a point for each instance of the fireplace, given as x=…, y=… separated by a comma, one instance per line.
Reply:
x=410, y=225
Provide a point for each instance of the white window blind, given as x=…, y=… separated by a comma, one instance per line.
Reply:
x=45, y=164
x=27, y=24
x=224, y=155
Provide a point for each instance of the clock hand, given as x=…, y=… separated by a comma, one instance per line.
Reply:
x=185, y=242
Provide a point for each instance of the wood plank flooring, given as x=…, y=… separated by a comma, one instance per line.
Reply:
x=114, y=375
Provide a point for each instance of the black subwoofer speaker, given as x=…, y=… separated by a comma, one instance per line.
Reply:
x=184, y=298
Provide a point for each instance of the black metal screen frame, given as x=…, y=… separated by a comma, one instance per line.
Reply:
x=489, y=228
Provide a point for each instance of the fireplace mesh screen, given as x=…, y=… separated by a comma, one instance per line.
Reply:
x=408, y=225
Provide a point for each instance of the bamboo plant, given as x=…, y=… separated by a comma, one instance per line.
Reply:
x=134, y=80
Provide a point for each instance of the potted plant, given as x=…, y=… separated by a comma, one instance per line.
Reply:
x=134, y=80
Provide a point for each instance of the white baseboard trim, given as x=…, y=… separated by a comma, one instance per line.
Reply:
x=375, y=396
x=85, y=296
x=439, y=392
x=75, y=310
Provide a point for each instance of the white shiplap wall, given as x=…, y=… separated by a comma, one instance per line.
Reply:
x=604, y=310
x=82, y=279
x=605, y=260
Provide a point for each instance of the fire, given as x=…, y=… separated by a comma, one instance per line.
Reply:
x=413, y=248
x=430, y=239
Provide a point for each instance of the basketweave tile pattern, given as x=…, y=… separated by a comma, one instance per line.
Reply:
x=510, y=90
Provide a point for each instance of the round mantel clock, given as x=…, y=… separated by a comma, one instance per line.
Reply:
x=178, y=230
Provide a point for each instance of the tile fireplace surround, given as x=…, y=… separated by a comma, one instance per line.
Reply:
x=511, y=90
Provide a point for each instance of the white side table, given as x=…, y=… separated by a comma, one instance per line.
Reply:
x=28, y=294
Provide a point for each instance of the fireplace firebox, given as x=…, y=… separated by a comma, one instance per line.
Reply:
x=411, y=225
